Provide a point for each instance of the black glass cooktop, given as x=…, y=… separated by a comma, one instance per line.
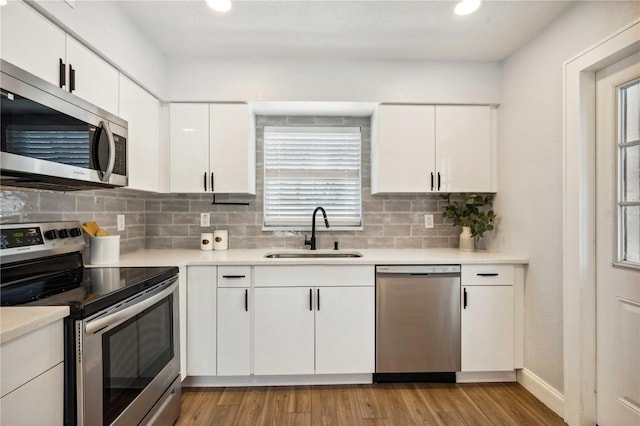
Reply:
x=64, y=281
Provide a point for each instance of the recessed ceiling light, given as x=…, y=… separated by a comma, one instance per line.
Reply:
x=3, y=2
x=219, y=5
x=465, y=7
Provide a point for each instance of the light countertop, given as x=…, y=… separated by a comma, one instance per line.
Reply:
x=19, y=320
x=186, y=257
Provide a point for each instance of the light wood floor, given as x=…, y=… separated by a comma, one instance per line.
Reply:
x=364, y=405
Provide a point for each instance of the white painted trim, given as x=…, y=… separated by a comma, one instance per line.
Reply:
x=485, y=376
x=293, y=380
x=542, y=390
x=579, y=219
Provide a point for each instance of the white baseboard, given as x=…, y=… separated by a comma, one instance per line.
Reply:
x=485, y=376
x=542, y=390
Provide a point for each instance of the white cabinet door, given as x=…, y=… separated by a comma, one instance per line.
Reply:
x=487, y=328
x=31, y=42
x=283, y=331
x=142, y=112
x=38, y=402
x=234, y=332
x=403, y=152
x=201, y=320
x=463, y=148
x=232, y=148
x=189, y=148
x=95, y=80
x=345, y=330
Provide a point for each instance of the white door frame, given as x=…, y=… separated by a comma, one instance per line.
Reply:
x=579, y=220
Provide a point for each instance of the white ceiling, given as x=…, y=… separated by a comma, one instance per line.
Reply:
x=364, y=30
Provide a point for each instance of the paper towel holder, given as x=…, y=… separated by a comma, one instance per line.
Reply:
x=228, y=203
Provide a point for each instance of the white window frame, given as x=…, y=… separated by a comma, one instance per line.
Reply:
x=320, y=227
x=622, y=149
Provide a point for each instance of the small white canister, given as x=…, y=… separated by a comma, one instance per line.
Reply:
x=221, y=239
x=105, y=249
x=206, y=241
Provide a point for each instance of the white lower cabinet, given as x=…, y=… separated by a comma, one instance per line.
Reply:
x=488, y=318
x=234, y=320
x=345, y=330
x=314, y=319
x=33, y=376
x=283, y=334
x=201, y=320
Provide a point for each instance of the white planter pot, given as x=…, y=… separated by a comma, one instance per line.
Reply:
x=466, y=240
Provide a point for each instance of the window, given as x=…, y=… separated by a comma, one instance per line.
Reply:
x=307, y=167
x=629, y=175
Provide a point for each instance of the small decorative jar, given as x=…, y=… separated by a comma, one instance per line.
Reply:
x=466, y=240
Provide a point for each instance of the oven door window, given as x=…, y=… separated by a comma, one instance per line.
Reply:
x=133, y=354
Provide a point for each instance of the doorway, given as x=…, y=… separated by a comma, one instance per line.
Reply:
x=618, y=243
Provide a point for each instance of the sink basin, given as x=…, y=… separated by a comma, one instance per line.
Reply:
x=292, y=254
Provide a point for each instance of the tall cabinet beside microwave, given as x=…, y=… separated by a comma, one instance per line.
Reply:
x=212, y=148
x=35, y=44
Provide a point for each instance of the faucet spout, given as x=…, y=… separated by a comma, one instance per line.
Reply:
x=312, y=242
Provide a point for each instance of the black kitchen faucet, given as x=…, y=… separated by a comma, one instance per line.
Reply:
x=312, y=241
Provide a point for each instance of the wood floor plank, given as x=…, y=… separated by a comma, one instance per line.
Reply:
x=366, y=405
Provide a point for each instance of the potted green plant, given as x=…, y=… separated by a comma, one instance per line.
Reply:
x=471, y=213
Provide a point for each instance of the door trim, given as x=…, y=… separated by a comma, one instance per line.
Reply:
x=579, y=219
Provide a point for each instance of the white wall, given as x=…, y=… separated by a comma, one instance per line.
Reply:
x=327, y=80
x=104, y=27
x=530, y=176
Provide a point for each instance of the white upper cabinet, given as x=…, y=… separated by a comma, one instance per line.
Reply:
x=31, y=42
x=212, y=148
x=427, y=148
x=142, y=112
x=403, y=153
x=463, y=149
x=36, y=45
x=91, y=78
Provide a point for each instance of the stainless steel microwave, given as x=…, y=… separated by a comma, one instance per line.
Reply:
x=54, y=140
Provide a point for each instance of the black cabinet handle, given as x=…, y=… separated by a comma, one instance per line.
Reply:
x=464, y=298
x=233, y=276
x=438, y=181
x=487, y=275
x=72, y=79
x=246, y=300
x=311, y=299
x=432, y=181
x=318, y=299
x=212, y=186
x=62, y=73
x=205, y=181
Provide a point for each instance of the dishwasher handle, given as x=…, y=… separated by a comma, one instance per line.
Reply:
x=418, y=269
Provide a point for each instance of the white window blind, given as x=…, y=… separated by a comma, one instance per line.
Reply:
x=307, y=167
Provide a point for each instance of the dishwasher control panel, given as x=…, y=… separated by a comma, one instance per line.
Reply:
x=418, y=269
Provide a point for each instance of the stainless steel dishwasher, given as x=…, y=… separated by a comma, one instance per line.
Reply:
x=417, y=323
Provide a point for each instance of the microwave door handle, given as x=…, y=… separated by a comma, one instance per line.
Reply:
x=117, y=317
x=112, y=152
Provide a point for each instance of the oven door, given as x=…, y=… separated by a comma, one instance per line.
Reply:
x=129, y=358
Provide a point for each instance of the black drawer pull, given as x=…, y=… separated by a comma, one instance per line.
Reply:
x=246, y=300
x=318, y=299
x=234, y=276
x=311, y=299
x=464, y=299
x=488, y=275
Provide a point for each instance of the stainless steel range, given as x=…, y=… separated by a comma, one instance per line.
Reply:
x=122, y=363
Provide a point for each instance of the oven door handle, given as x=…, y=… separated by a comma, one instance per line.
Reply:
x=117, y=317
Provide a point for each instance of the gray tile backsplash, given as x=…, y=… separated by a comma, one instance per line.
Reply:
x=173, y=220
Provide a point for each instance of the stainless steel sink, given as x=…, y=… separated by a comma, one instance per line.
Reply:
x=289, y=254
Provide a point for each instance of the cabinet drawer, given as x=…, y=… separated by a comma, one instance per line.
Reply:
x=234, y=276
x=30, y=355
x=314, y=276
x=487, y=274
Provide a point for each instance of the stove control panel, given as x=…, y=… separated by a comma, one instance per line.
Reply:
x=20, y=241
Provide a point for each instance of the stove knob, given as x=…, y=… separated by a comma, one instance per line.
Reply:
x=63, y=233
x=51, y=234
x=75, y=232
